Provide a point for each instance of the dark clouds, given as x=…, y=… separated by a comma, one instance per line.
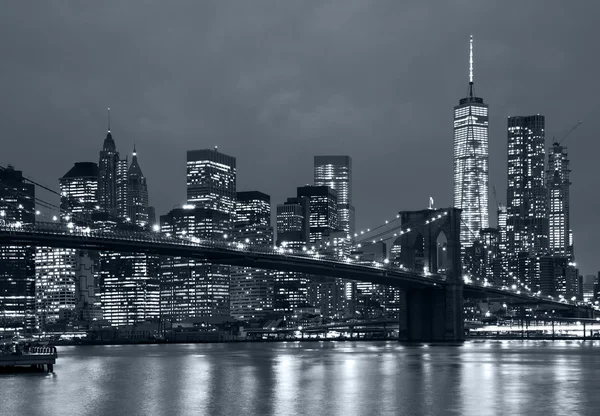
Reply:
x=275, y=82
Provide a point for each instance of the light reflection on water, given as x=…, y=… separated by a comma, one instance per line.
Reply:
x=330, y=378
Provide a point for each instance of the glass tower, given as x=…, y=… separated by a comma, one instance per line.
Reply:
x=527, y=213
x=471, y=172
x=336, y=173
x=558, y=200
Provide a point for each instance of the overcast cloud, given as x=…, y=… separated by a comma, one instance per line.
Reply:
x=276, y=82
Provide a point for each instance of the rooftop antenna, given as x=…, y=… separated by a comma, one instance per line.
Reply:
x=109, y=119
x=471, y=66
x=216, y=147
x=471, y=60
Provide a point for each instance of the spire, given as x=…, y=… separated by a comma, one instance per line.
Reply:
x=109, y=143
x=134, y=152
x=109, y=119
x=471, y=95
x=471, y=60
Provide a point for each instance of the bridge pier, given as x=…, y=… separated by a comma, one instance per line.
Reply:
x=432, y=315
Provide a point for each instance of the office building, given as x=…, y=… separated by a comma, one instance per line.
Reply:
x=107, y=166
x=194, y=288
x=79, y=193
x=527, y=210
x=558, y=184
x=17, y=271
x=137, y=194
x=251, y=289
x=471, y=170
x=211, y=180
x=322, y=207
x=335, y=172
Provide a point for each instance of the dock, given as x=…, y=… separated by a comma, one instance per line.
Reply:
x=41, y=358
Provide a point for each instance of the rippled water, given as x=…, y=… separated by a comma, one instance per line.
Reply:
x=327, y=378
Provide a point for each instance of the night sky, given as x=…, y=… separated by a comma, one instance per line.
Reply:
x=275, y=82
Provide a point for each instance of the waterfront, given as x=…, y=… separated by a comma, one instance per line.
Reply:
x=317, y=378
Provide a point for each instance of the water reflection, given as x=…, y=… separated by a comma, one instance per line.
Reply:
x=331, y=378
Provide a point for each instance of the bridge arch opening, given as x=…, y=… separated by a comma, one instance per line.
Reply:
x=440, y=254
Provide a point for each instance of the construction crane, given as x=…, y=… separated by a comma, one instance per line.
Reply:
x=496, y=197
x=568, y=133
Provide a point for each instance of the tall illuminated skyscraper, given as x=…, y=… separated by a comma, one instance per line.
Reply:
x=527, y=207
x=335, y=172
x=137, y=194
x=251, y=289
x=211, y=180
x=558, y=202
x=471, y=172
x=107, y=181
x=17, y=275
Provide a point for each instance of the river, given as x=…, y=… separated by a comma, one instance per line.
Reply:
x=313, y=378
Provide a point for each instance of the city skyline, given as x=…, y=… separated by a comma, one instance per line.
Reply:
x=509, y=77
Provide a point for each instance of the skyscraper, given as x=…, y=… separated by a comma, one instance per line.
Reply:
x=322, y=207
x=471, y=172
x=558, y=185
x=79, y=192
x=336, y=173
x=211, y=180
x=527, y=213
x=251, y=289
x=107, y=184
x=137, y=194
x=193, y=288
x=17, y=270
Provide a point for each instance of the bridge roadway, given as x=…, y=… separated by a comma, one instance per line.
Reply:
x=236, y=254
x=227, y=253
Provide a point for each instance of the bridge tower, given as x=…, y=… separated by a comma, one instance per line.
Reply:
x=432, y=314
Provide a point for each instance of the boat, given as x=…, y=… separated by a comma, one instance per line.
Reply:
x=18, y=354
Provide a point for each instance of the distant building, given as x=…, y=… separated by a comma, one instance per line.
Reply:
x=17, y=270
x=293, y=229
x=79, y=193
x=107, y=183
x=589, y=284
x=335, y=172
x=558, y=185
x=527, y=209
x=194, y=288
x=471, y=170
x=211, y=180
x=137, y=194
x=251, y=289
x=322, y=206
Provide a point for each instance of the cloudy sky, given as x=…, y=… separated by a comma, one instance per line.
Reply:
x=276, y=82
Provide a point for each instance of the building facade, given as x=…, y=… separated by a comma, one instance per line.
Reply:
x=335, y=172
x=251, y=289
x=194, y=288
x=17, y=268
x=558, y=184
x=323, y=208
x=211, y=180
x=471, y=169
x=137, y=194
x=527, y=203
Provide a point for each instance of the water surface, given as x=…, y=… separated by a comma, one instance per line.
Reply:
x=314, y=378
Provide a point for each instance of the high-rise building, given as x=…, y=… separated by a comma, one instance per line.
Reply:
x=251, y=289
x=137, y=194
x=107, y=184
x=194, y=288
x=17, y=270
x=211, y=180
x=322, y=206
x=61, y=272
x=293, y=228
x=79, y=193
x=122, y=188
x=527, y=211
x=558, y=185
x=471, y=171
x=336, y=173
